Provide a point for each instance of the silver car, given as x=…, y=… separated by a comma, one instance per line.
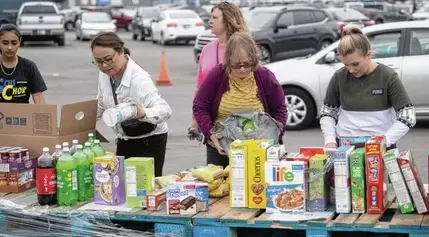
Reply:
x=91, y=23
x=404, y=46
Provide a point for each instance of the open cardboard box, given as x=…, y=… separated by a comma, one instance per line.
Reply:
x=36, y=126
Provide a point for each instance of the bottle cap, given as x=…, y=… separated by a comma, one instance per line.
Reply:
x=45, y=149
x=87, y=144
x=96, y=141
x=79, y=146
x=58, y=146
x=66, y=149
x=90, y=134
x=75, y=142
x=65, y=144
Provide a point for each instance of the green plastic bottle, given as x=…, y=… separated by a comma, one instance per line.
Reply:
x=67, y=190
x=90, y=156
x=98, y=149
x=84, y=174
x=91, y=139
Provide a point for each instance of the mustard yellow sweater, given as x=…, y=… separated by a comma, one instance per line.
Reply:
x=242, y=95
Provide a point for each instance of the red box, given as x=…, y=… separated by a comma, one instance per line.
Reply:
x=376, y=197
x=309, y=150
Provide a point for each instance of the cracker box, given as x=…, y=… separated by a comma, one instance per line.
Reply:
x=318, y=186
x=342, y=179
x=398, y=183
x=376, y=195
x=285, y=186
x=181, y=198
x=256, y=157
x=109, y=180
x=413, y=181
x=275, y=152
x=140, y=180
x=238, y=196
x=357, y=180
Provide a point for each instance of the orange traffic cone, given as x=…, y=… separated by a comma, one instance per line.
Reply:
x=164, y=77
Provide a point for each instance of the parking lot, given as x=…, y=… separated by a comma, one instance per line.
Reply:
x=71, y=77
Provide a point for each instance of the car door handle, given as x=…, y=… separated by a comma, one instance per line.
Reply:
x=393, y=66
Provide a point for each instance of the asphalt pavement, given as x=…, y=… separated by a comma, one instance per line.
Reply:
x=71, y=77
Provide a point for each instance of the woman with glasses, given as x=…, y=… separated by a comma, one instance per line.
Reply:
x=241, y=84
x=19, y=77
x=123, y=80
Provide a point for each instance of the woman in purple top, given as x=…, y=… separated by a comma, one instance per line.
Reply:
x=240, y=83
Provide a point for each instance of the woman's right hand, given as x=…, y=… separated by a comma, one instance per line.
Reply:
x=331, y=145
x=217, y=145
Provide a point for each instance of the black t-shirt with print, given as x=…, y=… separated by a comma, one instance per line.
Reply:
x=24, y=81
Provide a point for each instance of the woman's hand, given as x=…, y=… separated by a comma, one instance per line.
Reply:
x=331, y=145
x=140, y=111
x=217, y=145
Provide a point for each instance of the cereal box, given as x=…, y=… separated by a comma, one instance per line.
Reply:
x=285, y=186
x=140, y=180
x=202, y=196
x=413, y=181
x=376, y=195
x=109, y=180
x=181, y=198
x=309, y=150
x=238, y=196
x=256, y=157
x=304, y=158
x=358, y=142
x=342, y=179
x=318, y=186
x=357, y=180
x=398, y=183
x=156, y=200
x=275, y=152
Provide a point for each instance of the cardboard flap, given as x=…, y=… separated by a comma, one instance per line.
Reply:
x=78, y=117
x=28, y=119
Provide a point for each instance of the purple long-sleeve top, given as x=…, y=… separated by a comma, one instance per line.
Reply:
x=216, y=83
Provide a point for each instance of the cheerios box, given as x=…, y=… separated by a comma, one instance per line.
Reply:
x=285, y=186
x=238, y=196
x=257, y=151
x=109, y=180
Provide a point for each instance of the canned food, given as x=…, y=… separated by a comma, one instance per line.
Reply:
x=118, y=114
x=15, y=157
x=4, y=156
x=25, y=154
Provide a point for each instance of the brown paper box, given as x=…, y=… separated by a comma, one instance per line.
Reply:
x=35, y=126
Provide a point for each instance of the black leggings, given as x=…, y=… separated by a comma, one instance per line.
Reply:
x=213, y=157
x=153, y=146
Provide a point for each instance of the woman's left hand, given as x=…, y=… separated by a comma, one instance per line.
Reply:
x=140, y=111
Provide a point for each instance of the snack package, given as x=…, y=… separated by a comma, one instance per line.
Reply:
x=209, y=173
x=221, y=191
x=215, y=184
x=161, y=182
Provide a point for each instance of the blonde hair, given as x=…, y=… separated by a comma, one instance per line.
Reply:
x=241, y=41
x=352, y=39
x=233, y=19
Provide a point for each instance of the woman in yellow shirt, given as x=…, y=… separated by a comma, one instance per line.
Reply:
x=240, y=83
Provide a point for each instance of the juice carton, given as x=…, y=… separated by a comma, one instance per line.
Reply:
x=285, y=186
x=342, y=178
x=376, y=195
x=413, y=181
x=238, y=196
x=357, y=180
x=256, y=157
x=318, y=186
x=398, y=183
x=140, y=180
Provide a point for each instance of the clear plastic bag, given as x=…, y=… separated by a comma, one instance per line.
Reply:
x=247, y=125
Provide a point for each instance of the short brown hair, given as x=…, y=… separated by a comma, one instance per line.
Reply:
x=110, y=40
x=241, y=41
x=232, y=18
x=352, y=39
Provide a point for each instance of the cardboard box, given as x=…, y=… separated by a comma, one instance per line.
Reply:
x=275, y=152
x=358, y=142
x=256, y=157
x=413, y=181
x=109, y=180
x=376, y=195
x=238, y=196
x=181, y=198
x=342, y=179
x=357, y=180
x=140, y=180
x=309, y=150
x=156, y=200
x=36, y=126
x=318, y=186
x=398, y=183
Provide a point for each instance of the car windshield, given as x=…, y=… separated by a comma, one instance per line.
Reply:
x=183, y=15
x=424, y=9
x=148, y=12
x=259, y=19
x=96, y=17
x=39, y=9
x=348, y=15
x=374, y=6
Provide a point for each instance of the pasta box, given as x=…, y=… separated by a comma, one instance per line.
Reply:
x=109, y=182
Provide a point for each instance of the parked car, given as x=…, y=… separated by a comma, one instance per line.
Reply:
x=9, y=10
x=292, y=31
x=41, y=21
x=142, y=21
x=122, y=20
x=422, y=13
x=404, y=46
x=90, y=24
x=176, y=25
x=382, y=12
x=202, y=12
x=345, y=16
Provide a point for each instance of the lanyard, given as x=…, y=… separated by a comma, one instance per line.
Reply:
x=217, y=53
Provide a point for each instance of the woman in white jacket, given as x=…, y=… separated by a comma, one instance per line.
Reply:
x=123, y=80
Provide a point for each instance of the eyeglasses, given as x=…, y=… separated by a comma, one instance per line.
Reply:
x=240, y=65
x=100, y=62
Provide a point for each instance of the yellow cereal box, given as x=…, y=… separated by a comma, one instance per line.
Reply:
x=238, y=175
x=256, y=157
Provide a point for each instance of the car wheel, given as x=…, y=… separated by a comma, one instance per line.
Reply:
x=135, y=36
x=379, y=21
x=324, y=44
x=265, y=54
x=162, y=41
x=301, y=109
x=69, y=26
x=128, y=27
x=142, y=38
x=61, y=41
